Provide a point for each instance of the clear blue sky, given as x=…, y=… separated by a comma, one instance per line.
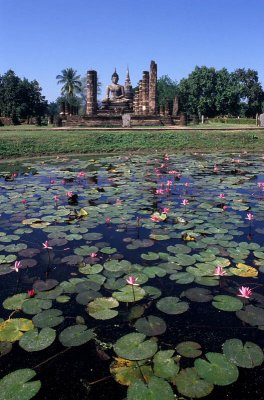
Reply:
x=39, y=38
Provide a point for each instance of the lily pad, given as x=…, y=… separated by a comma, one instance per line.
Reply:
x=126, y=372
x=156, y=389
x=45, y=285
x=35, y=340
x=200, y=295
x=165, y=365
x=101, y=308
x=172, y=305
x=189, y=349
x=134, y=347
x=190, y=384
x=34, y=305
x=16, y=385
x=48, y=318
x=15, y=302
x=252, y=315
x=12, y=329
x=227, y=303
x=249, y=355
x=217, y=369
x=151, y=326
x=129, y=294
x=76, y=335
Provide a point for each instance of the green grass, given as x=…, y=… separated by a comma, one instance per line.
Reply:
x=24, y=143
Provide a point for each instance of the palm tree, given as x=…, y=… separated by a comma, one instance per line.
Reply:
x=70, y=80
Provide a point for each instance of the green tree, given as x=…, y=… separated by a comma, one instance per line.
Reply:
x=166, y=89
x=250, y=91
x=226, y=93
x=71, y=82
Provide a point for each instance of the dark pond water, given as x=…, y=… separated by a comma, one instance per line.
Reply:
x=79, y=228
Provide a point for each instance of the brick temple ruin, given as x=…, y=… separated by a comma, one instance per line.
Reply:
x=124, y=107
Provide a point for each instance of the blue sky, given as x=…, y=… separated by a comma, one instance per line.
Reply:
x=39, y=38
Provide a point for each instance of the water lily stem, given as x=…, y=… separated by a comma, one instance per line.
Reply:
x=141, y=373
x=51, y=358
x=133, y=291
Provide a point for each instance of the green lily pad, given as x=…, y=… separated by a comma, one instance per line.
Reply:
x=134, y=347
x=155, y=389
x=217, y=370
x=150, y=256
x=165, y=365
x=35, y=340
x=35, y=306
x=91, y=269
x=129, y=294
x=248, y=356
x=48, y=318
x=45, y=285
x=227, y=303
x=190, y=384
x=151, y=326
x=5, y=348
x=108, y=250
x=16, y=385
x=15, y=302
x=252, y=315
x=172, y=305
x=189, y=349
x=86, y=296
x=76, y=335
x=199, y=295
x=101, y=308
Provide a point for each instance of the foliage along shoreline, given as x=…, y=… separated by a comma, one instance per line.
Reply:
x=37, y=143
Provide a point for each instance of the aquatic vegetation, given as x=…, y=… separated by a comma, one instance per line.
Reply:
x=154, y=265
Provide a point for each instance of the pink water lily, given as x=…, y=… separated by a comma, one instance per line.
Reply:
x=216, y=168
x=46, y=245
x=250, y=216
x=222, y=195
x=185, y=202
x=24, y=201
x=17, y=266
x=108, y=220
x=132, y=280
x=219, y=271
x=56, y=198
x=245, y=292
x=69, y=194
x=165, y=210
x=159, y=191
x=81, y=174
x=93, y=255
x=31, y=293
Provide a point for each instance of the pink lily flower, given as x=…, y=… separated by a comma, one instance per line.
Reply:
x=245, y=292
x=52, y=181
x=216, y=168
x=222, y=195
x=81, y=174
x=17, y=266
x=169, y=183
x=56, y=198
x=250, y=216
x=186, y=184
x=46, y=245
x=219, y=271
x=93, y=255
x=165, y=210
x=159, y=191
x=132, y=280
x=108, y=220
x=155, y=218
x=185, y=202
x=23, y=201
x=69, y=194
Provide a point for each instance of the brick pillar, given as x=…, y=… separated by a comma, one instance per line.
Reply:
x=135, y=102
x=183, y=119
x=153, y=88
x=176, y=106
x=91, y=107
x=145, y=93
x=140, y=98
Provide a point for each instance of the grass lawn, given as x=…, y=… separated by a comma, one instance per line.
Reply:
x=31, y=141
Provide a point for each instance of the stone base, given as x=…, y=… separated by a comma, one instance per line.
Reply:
x=114, y=121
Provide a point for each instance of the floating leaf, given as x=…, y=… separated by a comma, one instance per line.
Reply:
x=15, y=302
x=48, y=318
x=35, y=340
x=127, y=372
x=156, y=389
x=134, y=347
x=199, y=295
x=45, y=285
x=12, y=329
x=244, y=270
x=248, y=356
x=189, y=349
x=227, y=303
x=5, y=348
x=151, y=326
x=252, y=315
x=129, y=294
x=217, y=370
x=172, y=305
x=190, y=384
x=76, y=335
x=16, y=385
x=165, y=365
x=34, y=305
x=101, y=308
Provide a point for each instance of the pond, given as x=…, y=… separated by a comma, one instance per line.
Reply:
x=132, y=277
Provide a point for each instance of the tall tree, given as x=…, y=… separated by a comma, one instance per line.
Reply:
x=70, y=80
x=167, y=90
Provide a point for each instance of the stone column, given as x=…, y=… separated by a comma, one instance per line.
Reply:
x=153, y=88
x=140, y=96
x=135, y=102
x=183, y=119
x=91, y=107
x=176, y=106
x=145, y=93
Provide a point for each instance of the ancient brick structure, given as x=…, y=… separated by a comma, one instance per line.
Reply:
x=145, y=93
x=153, y=88
x=91, y=107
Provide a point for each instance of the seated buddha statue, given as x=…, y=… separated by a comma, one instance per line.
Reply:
x=114, y=92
